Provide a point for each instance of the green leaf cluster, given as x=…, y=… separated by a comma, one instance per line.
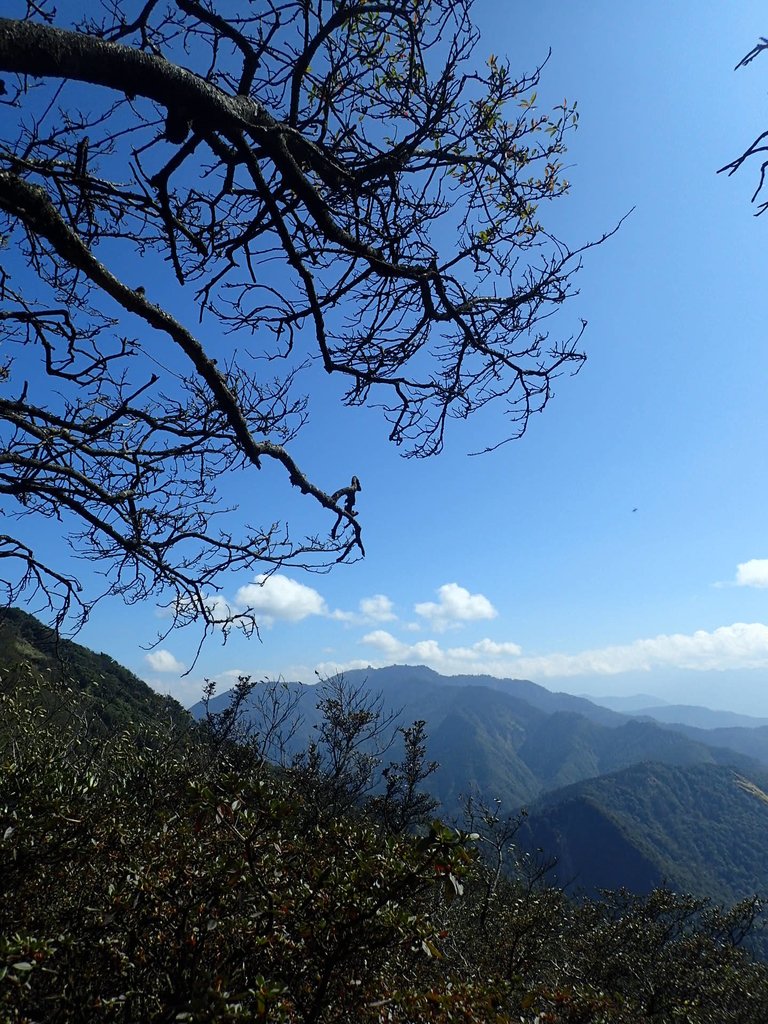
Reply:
x=145, y=878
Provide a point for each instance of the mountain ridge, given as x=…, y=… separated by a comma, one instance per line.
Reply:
x=632, y=803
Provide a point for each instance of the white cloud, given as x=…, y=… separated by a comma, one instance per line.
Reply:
x=485, y=656
x=218, y=607
x=455, y=605
x=328, y=669
x=491, y=647
x=341, y=616
x=753, y=573
x=164, y=661
x=422, y=652
x=378, y=608
x=272, y=597
x=278, y=597
x=738, y=646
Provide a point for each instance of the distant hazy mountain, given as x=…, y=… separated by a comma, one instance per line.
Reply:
x=701, y=718
x=751, y=742
x=741, y=690
x=512, y=738
x=626, y=705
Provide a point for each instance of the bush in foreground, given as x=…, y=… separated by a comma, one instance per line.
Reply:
x=151, y=876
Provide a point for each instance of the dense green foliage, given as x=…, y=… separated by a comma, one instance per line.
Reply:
x=165, y=873
x=700, y=827
x=113, y=696
x=154, y=876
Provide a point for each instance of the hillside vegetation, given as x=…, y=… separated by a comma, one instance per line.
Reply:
x=617, y=801
x=166, y=872
x=701, y=828
x=112, y=695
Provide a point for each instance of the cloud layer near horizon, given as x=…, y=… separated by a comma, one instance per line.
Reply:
x=737, y=646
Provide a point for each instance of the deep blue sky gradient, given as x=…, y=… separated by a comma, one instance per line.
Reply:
x=668, y=416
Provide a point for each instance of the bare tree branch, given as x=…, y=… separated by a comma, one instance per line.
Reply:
x=760, y=144
x=338, y=185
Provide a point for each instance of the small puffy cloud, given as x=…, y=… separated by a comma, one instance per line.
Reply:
x=278, y=597
x=490, y=647
x=753, y=573
x=423, y=652
x=341, y=616
x=385, y=642
x=164, y=661
x=455, y=606
x=378, y=608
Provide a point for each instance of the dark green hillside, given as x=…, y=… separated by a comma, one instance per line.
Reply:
x=561, y=749
x=594, y=848
x=503, y=747
x=477, y=745
x=700, y=827
x=491, y=741
x=31, y=652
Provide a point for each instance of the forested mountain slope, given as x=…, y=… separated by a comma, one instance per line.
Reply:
x=630, y=804
x=162, y=874
x=699, y=828
x=494, y=741
x=113, y=694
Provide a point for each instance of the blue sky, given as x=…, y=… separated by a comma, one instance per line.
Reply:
x=532, y=561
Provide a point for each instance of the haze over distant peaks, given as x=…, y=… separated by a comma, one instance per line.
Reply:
x=627, y=705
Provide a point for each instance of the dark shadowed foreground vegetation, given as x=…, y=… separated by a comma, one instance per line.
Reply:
x=163, y=872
